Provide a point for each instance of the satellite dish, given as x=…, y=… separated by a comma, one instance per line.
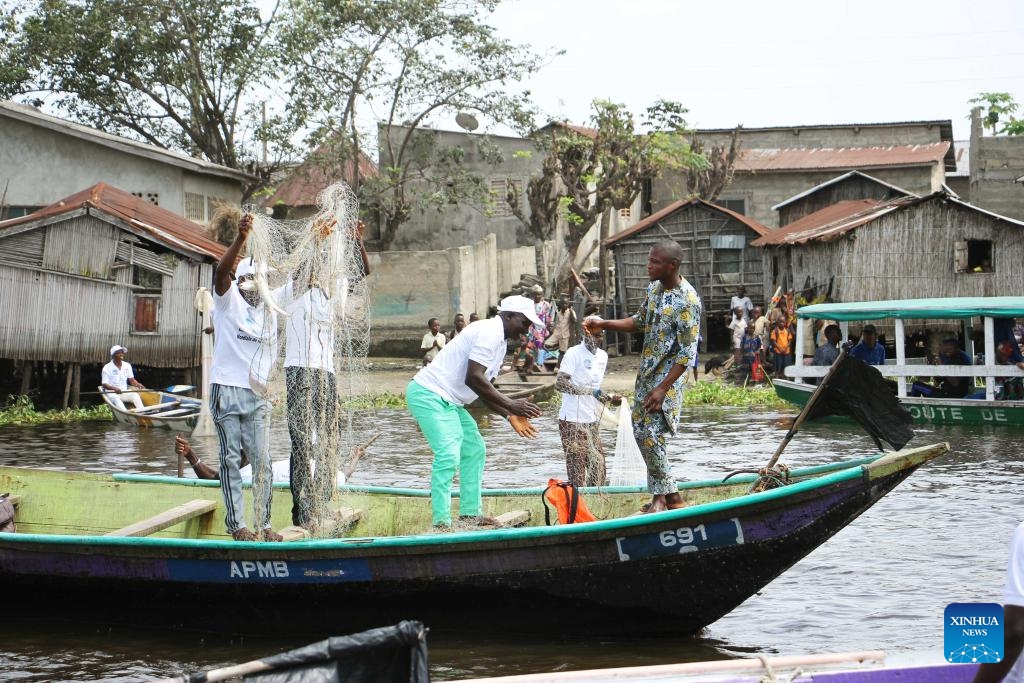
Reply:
x=467, y=121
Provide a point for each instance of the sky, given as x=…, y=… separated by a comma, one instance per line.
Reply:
x=782, y=63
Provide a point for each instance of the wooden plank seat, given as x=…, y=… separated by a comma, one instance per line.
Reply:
x=15, y=500
x=172, y=413
x=513, y=518
x=167, y=518
x=335, y=523
x=156, y=406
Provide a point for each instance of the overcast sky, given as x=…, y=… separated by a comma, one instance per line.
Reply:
x=763, y=63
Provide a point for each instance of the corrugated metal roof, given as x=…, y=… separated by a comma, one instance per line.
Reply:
x=842, y=217
x=314, y=175
x=33, y=116
x=826, y=158
x=653, y=219
x=162, y=226
x=839, y=179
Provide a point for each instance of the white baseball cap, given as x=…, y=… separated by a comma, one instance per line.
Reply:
x=248, y=266
x=115, y=348
x=520, y=304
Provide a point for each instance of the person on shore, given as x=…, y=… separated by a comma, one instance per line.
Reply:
x=750, y=346
x=458, y=324
x=539, y=331
x=1011, y=668
x=868, y=349
x=473, y=317
x=247, y=336
x=117, y=376
x=737, y=327
x=781, y=338
x=281, y=468
x=761, y=326
x=741, y=301
x=437, y=397
x=669, y=317
x=562, y=330
x=433, y=341
x=579, y=417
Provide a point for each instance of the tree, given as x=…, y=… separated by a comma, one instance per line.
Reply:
x=404, y=63
x=999, y=106
x=708, y=181
x=180, y=74
x=591, y=171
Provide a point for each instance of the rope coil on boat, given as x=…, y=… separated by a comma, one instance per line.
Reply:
x=768, y=478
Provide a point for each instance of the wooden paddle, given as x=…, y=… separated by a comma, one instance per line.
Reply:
x=806, y=409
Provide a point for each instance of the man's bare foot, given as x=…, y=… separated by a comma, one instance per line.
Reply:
x=272, y=536
x=244, y=534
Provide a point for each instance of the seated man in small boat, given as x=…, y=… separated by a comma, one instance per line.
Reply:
x=1011, y=388
x=579, y=417
x=868, y=349
x=117, y=376
x=437, y=397
x=281, y=468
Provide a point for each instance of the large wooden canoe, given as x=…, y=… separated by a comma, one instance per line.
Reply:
x=160, y=409
x=675, y=571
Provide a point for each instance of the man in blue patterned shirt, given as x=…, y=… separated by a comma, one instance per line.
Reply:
x=669, y=317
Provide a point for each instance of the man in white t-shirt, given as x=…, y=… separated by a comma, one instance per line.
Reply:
x=579, y=418
x=438, y=394
x=741, y=300
x=433, y=341
x=243, y=351
x=117, y=376
x=312, y=400
x=1011, y=669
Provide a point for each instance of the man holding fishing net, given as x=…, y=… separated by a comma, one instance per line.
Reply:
x=669, y=317
x=438, y=394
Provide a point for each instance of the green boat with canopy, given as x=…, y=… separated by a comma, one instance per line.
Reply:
x=980, y=406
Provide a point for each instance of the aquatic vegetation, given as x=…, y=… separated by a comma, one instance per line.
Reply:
x=373, y=401
x=706, y=393
x=19, y=410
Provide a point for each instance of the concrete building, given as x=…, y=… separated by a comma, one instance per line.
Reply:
x=44, y=158
x=777, y=163
x=995, y=164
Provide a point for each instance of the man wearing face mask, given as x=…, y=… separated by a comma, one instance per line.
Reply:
x=245, y=340
x=579, y=418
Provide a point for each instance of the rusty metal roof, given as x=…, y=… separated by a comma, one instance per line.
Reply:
x=845, y=216
x=839, y=179
x=654, y=218
x=313, y=175
x=840, y=158
x=155, y=223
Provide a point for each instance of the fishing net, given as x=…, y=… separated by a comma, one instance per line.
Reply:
x=628, y=467
x=311, y=273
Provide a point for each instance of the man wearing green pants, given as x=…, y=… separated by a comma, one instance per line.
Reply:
x=460, y=373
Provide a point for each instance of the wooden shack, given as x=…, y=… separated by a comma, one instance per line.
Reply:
x=852, y=185
x=719, y=258
x=99, y=268
x=903, y=248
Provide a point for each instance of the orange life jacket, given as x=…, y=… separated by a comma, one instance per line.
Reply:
x=568, y=503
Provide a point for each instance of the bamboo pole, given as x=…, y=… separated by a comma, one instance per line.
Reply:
x=68, y=375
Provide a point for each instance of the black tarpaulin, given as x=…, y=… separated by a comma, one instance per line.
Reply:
x=859, y=391
x=381, y=655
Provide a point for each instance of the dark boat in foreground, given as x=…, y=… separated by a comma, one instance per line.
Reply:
x=73, y=555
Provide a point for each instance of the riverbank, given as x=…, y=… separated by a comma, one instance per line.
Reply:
x=388, y=378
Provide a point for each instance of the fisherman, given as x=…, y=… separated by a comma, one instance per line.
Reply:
x=669, y=317
x=117, y=376
x=245, y=341
x=438, y=394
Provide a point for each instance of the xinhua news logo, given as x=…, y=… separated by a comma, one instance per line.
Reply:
x=973, y=632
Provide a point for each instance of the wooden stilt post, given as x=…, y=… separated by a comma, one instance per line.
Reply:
x=26, y=376
x=76, y=384
x=68, y=377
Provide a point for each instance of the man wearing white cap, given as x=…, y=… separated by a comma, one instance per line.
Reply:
x=438, y=394
x=246, y=338
x=117, y=376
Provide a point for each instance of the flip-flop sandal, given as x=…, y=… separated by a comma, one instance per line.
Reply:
x=646, y=507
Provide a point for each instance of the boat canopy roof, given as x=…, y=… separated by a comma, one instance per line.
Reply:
x=951, y=307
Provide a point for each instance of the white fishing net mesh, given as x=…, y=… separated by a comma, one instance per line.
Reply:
x=628, y=467
x=311, y=273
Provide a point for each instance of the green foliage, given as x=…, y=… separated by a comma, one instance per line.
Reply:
x=707, y=393
x=376, y=401
x=185, y=75
x=999, y=106
x=20, y=410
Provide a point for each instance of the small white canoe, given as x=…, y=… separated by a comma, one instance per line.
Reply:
x=160, y=409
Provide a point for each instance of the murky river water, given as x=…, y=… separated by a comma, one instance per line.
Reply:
x=883, y=582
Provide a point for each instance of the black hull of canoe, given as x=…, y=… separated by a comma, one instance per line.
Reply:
x=497, y=586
